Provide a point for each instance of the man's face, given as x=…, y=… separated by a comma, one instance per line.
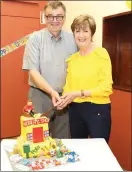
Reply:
x=54, y=18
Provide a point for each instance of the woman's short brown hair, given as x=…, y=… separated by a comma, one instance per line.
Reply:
x=82, y=21
x=55, y=5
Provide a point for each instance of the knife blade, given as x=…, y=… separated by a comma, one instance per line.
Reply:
x=48, y=112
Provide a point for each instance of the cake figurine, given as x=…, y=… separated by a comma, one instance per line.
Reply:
x=29, y=108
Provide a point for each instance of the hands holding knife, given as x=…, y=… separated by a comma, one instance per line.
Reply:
x=60, y=102
x=66, y=99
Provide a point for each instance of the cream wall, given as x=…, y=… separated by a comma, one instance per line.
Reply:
x=98, y=9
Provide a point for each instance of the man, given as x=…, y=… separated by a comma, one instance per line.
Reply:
x=44, y=58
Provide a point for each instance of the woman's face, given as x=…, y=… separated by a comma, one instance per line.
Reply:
x=83, y=36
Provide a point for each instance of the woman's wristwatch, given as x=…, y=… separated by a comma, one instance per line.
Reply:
x=82, y=94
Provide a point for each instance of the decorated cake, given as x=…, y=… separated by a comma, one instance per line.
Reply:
x=35, y=140
x=34, y=148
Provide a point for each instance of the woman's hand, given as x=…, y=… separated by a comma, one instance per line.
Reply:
x=67, y=98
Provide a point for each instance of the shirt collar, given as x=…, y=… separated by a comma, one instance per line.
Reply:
x=52, y=36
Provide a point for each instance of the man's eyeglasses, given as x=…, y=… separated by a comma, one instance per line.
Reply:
x=58, y=18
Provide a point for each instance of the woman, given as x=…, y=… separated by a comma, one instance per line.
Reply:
x=88, y=84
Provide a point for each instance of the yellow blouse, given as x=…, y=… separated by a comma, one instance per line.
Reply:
x=92, y=72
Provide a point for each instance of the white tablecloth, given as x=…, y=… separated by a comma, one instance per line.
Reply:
x=95, y=155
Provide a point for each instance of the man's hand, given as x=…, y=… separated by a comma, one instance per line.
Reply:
x=67, y=99
x=56, y=100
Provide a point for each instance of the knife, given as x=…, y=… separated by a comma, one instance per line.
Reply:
x=48, y=112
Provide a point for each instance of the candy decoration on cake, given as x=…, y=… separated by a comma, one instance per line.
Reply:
x=26, y=149
x=35, y=149
x=59, y=153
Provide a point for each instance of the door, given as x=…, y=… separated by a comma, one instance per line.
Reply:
x=19, y=18
x=117, y=39
x=38, y=135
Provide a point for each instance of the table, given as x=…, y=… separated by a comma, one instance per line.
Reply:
x=95, y=155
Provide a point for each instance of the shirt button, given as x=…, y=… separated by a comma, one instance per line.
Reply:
x=98, y=113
